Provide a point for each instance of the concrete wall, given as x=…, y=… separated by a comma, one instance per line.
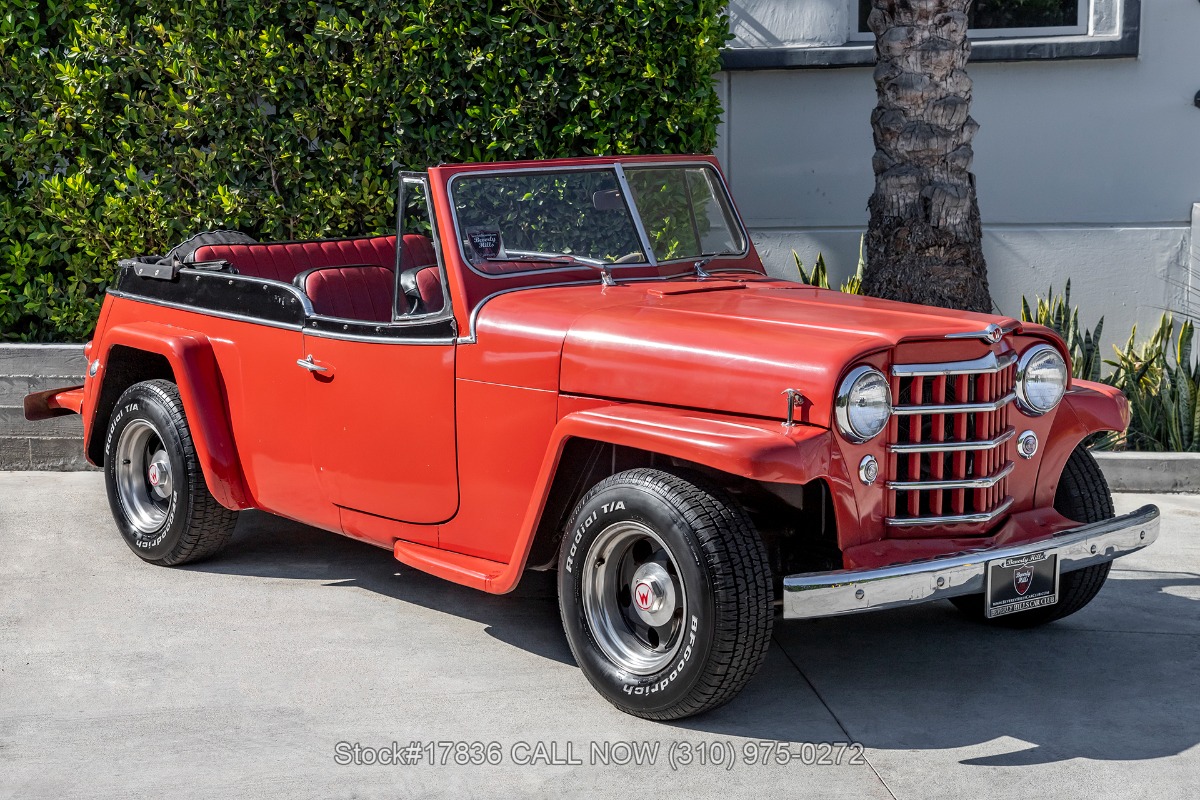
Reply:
x=1086, y=170
x=51, y=443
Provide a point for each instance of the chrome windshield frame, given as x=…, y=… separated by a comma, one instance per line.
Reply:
x=630, y=206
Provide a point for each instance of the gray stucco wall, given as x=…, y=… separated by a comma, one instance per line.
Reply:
x=1086, y=170
x=47, y=444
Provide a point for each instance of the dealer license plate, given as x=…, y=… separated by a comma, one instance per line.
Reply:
x=1021, y=583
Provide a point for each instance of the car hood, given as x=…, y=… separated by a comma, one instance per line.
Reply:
x=737, y=346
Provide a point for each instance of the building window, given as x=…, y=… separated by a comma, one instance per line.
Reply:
x=991, y=19
x=802, y=34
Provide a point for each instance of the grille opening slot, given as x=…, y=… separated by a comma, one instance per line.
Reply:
x=984, y=464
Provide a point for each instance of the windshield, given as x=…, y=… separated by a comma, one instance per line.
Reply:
x=536, y=219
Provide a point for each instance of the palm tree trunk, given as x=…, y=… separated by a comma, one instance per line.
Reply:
x=923, y=243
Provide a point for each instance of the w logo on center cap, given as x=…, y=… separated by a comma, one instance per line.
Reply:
x=643, y=595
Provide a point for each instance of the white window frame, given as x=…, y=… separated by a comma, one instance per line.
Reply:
x=1084, y=28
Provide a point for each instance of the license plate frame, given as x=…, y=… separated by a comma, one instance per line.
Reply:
x=1039, y=573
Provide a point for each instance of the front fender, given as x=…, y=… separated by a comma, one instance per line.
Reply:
x=200, y=388
x=1088, y=408
x=759, y=450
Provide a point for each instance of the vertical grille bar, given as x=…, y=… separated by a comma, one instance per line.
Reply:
x=960, y=459
x=914, y=435
x=937, y=461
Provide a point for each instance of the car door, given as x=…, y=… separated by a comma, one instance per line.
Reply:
x=380, y=396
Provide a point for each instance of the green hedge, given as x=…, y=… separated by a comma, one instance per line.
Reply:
x=126, y=126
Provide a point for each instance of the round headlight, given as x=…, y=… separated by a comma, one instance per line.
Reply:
x=1041, y=379
x=864, y=404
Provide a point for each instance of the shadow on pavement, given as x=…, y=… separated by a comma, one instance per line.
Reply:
x=272, y=547
x=1117, y=681
x=1120, y=680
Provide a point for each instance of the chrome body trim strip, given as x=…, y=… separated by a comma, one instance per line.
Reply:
x=954, y=408
x=826, y=594
x=954, y=447
x=980, y=366
x=992, y=333
x=969, y=483
x=951, y=519
x=354, y=337
x=307, y=331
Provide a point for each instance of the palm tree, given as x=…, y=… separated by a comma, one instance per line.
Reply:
x=923, y=244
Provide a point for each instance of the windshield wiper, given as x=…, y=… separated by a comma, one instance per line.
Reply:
x=605, y=273
x=704, y=260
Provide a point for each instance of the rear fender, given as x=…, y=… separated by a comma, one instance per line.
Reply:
x=200, y=388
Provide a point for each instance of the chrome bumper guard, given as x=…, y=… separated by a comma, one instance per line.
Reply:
x=848, y=591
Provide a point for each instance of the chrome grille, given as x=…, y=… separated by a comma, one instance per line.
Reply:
x=949, y=441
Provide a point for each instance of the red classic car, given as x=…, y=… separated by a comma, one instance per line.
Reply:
x=582, y=365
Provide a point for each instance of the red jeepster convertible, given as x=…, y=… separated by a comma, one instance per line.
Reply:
x=582, y=365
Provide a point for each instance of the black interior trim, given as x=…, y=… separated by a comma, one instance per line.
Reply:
x=221, y=292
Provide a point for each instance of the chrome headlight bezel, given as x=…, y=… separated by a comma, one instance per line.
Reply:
x=1024, y=365
x=843, y=405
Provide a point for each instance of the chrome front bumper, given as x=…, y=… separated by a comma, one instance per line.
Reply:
x=848, y=591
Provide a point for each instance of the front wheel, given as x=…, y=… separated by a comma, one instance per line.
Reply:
x=665, y=594
x=1083, y=495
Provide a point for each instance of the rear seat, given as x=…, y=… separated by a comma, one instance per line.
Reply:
x=349, y=278
x=358, y=291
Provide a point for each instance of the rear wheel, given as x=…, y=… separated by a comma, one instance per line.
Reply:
x=156, y=488
x=1083, y=495
x=665, y=593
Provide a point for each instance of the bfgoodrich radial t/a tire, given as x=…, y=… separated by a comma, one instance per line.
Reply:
x=1083, y=495
x=155, y=485
x=665, y=593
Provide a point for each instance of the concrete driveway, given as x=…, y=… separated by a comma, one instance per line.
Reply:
x=240, y=677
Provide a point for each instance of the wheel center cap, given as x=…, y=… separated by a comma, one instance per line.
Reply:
x=158, y=473
x=653, y=594
x=647, y=595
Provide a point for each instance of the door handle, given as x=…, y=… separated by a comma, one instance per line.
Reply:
x=311, y=365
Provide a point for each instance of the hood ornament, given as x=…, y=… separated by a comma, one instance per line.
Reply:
x=992, y=333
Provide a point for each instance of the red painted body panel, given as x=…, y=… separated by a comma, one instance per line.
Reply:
x=253, y=408
x=1088, y=408
x=1021, y=527
x=736, y=350
x=53, y=403
x=445, y=451
x=69, y=400
x=381, y=427
x=503, y=431
x=190, y=354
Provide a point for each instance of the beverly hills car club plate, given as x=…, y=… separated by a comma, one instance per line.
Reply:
x=1021, y=583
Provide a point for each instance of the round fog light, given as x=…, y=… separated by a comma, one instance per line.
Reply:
x=1027, y=444
x=868, y=470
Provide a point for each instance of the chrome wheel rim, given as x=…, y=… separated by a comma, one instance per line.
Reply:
x=633, y=598
x=144, y=476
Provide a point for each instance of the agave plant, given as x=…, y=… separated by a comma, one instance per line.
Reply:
x=1056, y=312
x=819, y=275
x=1163, y=387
